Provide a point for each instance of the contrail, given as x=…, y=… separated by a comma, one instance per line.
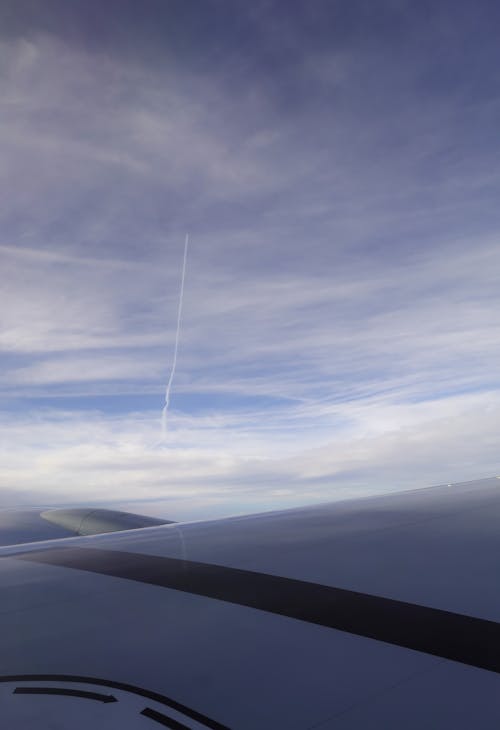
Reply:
x=176, y=346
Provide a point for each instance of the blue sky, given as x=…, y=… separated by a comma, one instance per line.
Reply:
x=336, y=165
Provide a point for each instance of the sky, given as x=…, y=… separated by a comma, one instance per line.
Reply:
x=336, y=165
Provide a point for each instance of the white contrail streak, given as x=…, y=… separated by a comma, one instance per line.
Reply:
x=176, y=346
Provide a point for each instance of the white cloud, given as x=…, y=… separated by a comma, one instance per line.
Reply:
x=328, y=366
x=78, y=458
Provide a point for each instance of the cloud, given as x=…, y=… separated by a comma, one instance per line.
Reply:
x=297, y=336
x=341, y=312
x=82, y=459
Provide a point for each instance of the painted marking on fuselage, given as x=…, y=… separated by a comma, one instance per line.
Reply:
x=63, y=691
x=465, y=639
x=119, y=686
x=163, y=719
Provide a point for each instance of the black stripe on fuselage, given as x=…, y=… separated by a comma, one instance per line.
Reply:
x=464, y=639
x=163, y=719
x=64, y=692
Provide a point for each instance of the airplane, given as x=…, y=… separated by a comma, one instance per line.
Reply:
x=379, y=612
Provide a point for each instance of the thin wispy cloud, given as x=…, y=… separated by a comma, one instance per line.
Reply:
x=337, y=170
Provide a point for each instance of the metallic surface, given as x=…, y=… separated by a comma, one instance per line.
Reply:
x=244, y=666
x=34, y=525
x=83, y=521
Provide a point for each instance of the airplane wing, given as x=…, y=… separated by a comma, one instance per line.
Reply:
x=376, y=613
x=34, y=525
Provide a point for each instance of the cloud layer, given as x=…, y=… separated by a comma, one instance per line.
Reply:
x=337, y=174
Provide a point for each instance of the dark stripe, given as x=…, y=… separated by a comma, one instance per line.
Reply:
x=64, y=691
x=163, y=719
x=123, y=687
x=464, y=639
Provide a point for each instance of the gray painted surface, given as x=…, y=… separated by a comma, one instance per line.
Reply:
x=20, y=526
x=84, y=521
x=248, y=668
x=32, y=525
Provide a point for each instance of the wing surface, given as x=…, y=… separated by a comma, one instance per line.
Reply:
x=382, y=613
x=35, y=525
